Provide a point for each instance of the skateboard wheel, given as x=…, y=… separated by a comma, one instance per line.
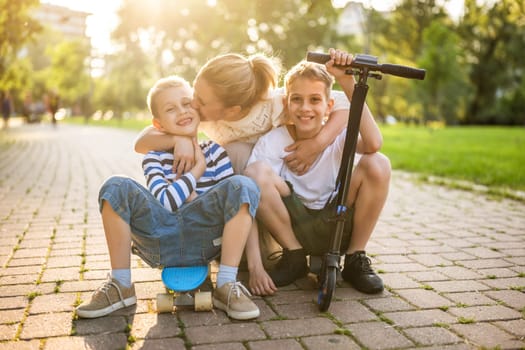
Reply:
x=203, y=301
x=164, y=303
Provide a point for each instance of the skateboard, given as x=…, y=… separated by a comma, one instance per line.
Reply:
x=182, y=285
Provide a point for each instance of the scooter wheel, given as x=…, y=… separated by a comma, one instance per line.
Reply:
x=327, y=280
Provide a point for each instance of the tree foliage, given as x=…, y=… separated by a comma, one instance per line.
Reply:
x=474, y=64
x=16, y=29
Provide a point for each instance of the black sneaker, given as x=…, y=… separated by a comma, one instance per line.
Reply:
x=290, y=267
x=358, y=272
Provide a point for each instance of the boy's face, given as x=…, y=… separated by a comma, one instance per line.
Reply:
x=307, y=105
x=174, y=112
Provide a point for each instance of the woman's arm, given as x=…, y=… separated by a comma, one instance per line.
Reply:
x=151, y=139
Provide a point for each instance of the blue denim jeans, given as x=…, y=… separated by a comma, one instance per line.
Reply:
x=187, y=237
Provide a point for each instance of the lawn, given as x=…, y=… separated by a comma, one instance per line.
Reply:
x=490, y=156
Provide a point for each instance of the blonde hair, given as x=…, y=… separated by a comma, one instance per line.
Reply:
x=161, y=85
x=238, y=80
x=309, y=70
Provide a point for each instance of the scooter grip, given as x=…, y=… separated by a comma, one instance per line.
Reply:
x=403, y=71
x=317, y=57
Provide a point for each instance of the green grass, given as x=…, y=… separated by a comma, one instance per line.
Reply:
x=489, y=156
x=133, y=124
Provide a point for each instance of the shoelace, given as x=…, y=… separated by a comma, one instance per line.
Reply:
x=365, y=263
x=237, y=288
x=105, y=289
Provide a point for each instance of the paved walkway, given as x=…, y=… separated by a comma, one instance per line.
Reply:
x=453, y=263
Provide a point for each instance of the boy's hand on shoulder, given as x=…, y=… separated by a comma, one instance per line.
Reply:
x=183, y=155
x=200, y=160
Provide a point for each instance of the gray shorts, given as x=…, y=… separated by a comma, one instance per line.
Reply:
x=187, y=237
x=314, y=228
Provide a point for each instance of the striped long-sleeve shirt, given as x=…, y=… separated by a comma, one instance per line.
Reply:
x=160, y=178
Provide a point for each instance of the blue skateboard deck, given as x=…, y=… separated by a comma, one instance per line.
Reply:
x=183, y=279
x=183, y=283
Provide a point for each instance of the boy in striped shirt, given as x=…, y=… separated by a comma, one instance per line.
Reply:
x=184, y=219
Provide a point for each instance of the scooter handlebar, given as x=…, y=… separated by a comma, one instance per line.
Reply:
x=392, y=69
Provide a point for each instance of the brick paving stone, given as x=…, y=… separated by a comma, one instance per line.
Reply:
x=329, y=342
x=457, y=286
x=516, y=327
x=425, y=299
x=378, y=335
x=8, y=331
x=11, y=316
x=110, y=324
x=46, y=325
x=488, y=336
x=224, y=333
x=298, y=328
x=21, y=345
x=154, y=326
x=506, y=283
x=419, y=318
x=221, y=346
x=161, y=344
x=57, y=302
x=279, y=344
x=432, y=336
x=469, y=298
x=351, y=311
x=193, y=319
x=486, y=313
x=388, y=304
x=99, y=341
x=398, y=281
x=512, y=298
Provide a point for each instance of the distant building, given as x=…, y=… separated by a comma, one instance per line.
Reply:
x=69, y=22
x=352, y=20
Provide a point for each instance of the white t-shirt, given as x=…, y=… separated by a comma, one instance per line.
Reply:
x=263, y=116
x=313, y=188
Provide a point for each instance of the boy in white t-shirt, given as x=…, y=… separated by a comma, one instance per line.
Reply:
x=292, y=206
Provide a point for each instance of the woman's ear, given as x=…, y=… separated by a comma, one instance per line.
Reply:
x=233, y=113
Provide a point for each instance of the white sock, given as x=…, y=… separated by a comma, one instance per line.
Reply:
x=123, y=276
x=226, y=274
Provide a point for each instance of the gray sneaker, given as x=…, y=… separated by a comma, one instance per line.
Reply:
x=111, y=296
x=234, y=299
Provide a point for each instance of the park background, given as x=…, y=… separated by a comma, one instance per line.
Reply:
x=463, y=125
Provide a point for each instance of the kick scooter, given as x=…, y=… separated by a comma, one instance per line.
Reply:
x=363, y=66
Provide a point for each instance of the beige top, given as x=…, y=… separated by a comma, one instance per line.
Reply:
x=264, y=116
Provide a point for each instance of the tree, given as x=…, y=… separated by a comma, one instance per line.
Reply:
x=68, y=74
x=493, y=40
x=445, y=85
x=16, y=29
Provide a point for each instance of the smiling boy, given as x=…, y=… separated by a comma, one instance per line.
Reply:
x=294, y=207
